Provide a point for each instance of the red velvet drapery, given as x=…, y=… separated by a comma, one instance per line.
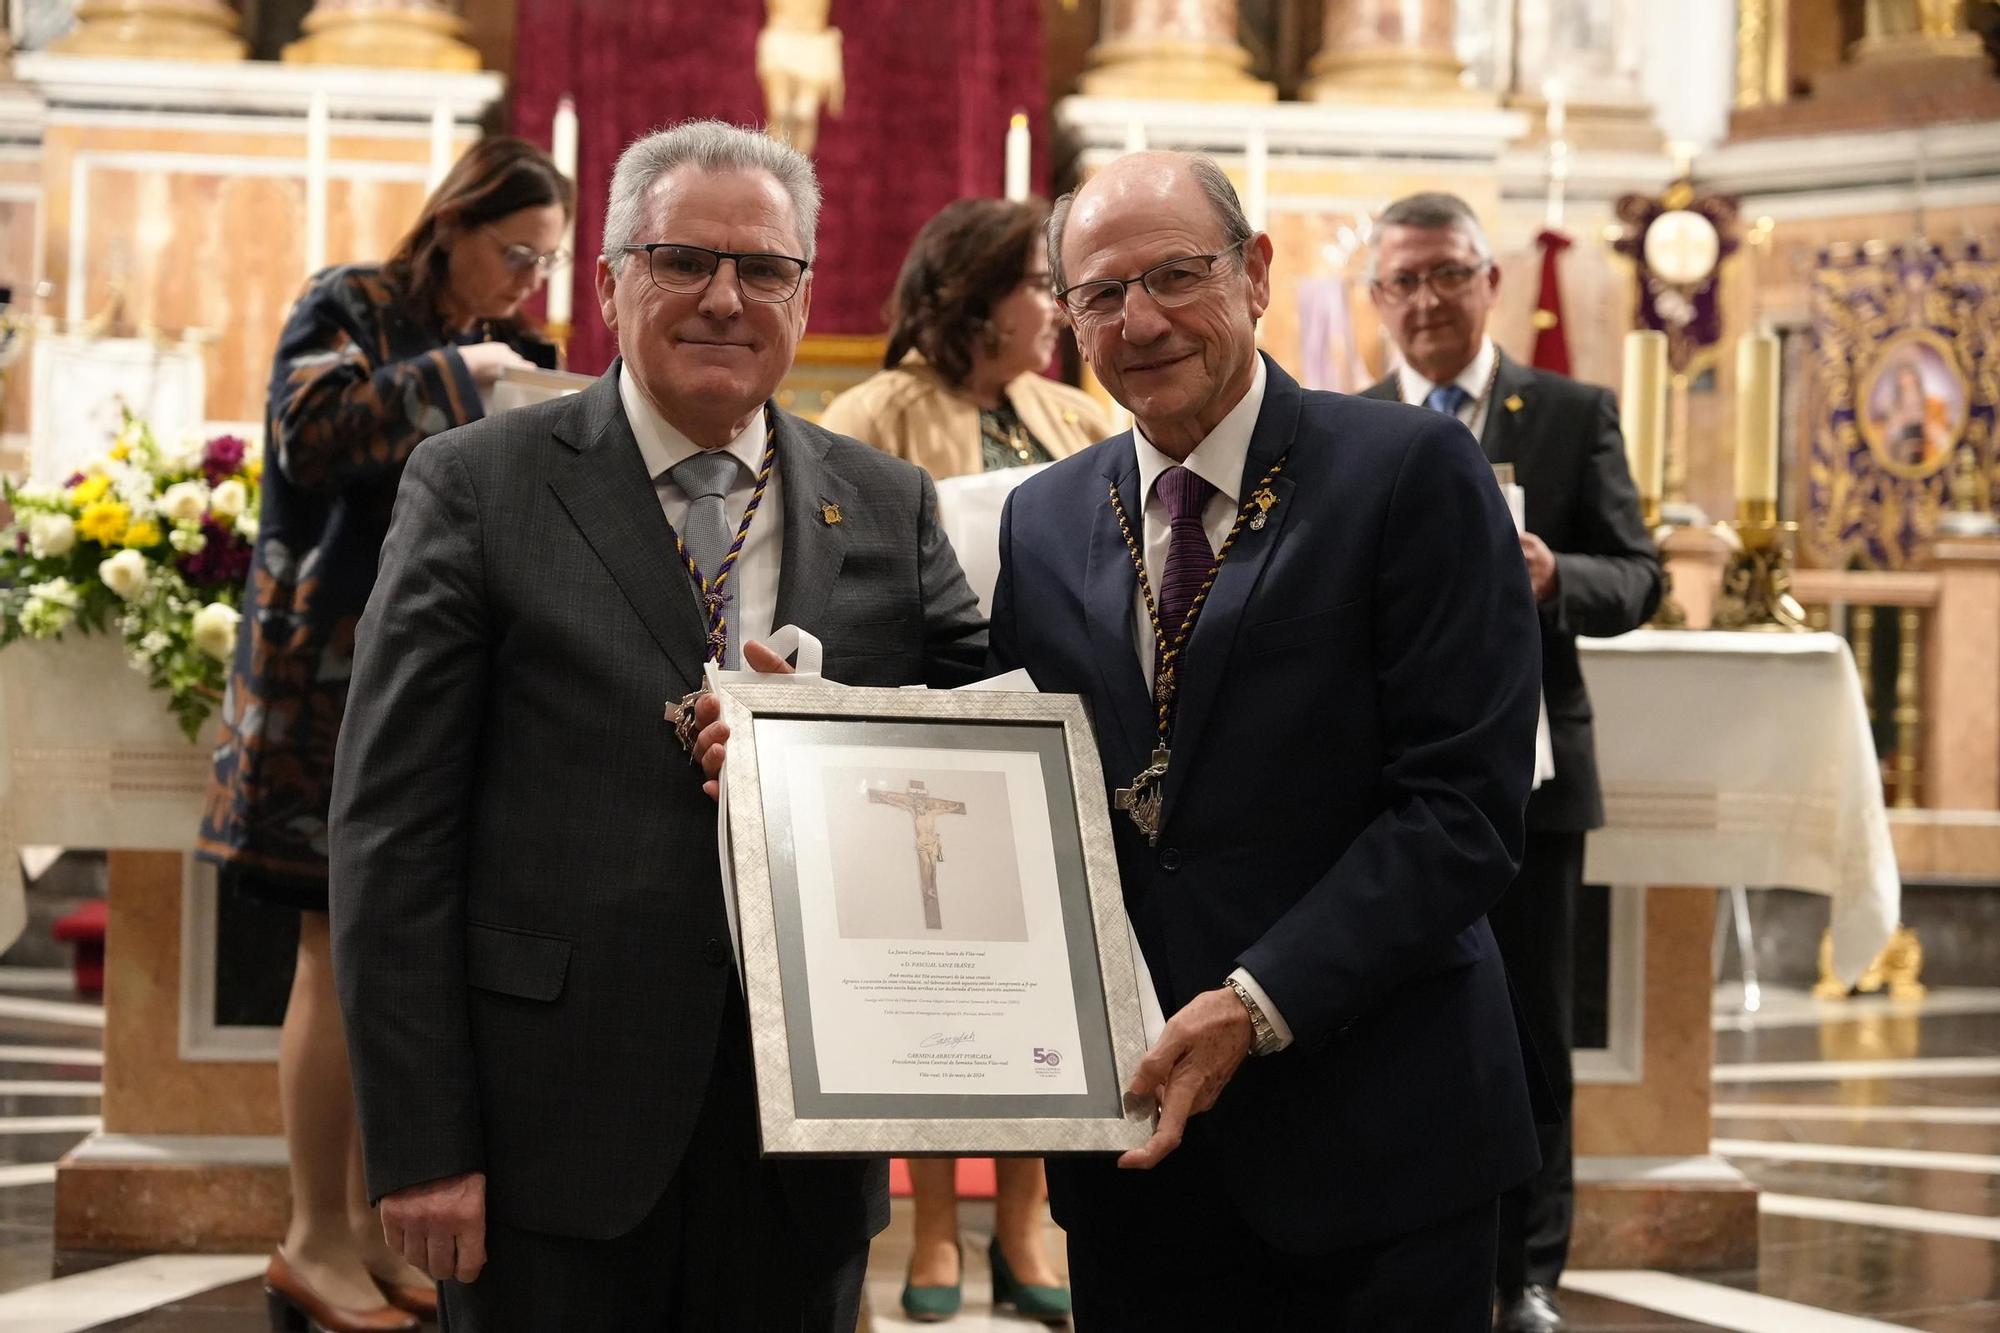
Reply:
x=930, y=87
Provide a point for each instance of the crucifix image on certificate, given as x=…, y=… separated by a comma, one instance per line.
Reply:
x=924, y=810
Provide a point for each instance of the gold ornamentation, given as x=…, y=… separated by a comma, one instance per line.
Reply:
x=1757, y=583
x=391, y=34
x=1542, y=320
x=1513, y=402
x=829, y=514
x=1898, y=968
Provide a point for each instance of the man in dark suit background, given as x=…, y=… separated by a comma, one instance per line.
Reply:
x=1594, y=571
x=1349, y=737
x=549, y=1044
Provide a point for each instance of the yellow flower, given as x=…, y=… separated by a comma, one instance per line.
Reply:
x=121, y=451
x=143, y=533
x=104, y=522
x=253, y=466
x=89, y=491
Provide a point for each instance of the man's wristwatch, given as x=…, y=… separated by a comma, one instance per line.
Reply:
x=1263, y=1037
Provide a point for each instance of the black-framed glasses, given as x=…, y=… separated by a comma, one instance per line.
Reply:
x=1175, y=282
x=687, y=269
x=1445, y=281
x=521, y=258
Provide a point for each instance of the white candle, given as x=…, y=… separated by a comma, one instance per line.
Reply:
x=1558, y=118
x=1257, y=177
x=318, y=136
x=1642, y=409
x=1756, y=422
x=441, y=127
x=562, y=147
x=1135, y=137
x=1017, y=157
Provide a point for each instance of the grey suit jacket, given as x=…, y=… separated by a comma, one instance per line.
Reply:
x=1562, y=437
x=528, y=931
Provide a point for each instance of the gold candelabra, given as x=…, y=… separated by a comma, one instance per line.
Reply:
x=1757, y=582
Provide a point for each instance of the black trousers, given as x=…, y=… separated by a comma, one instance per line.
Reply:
x=1535, y=923
x=1194, y=1266
x=723, y=1251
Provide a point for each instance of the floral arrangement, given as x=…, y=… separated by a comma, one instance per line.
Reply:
x=152, y=539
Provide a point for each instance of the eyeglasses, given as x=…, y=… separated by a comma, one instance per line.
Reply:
x=1174, y=283
x=521, y=258
x=687, y=269
x=1445, y=281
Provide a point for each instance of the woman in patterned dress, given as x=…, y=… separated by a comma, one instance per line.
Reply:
x=373, y=359
x=972, y=324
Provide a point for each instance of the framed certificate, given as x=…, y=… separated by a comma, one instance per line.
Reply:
x=934, y=946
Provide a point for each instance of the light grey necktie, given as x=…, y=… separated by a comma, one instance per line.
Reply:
x=705, y=478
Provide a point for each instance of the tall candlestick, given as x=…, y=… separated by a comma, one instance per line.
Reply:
x=441, y=127
x=318, y=139
x=1642, y=411
x=1017, y=157
x=562, y=148
x=1757, y=427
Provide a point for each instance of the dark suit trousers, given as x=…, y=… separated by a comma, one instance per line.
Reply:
x=721, y=1252
x=1171, y=1254
x=1535, y=923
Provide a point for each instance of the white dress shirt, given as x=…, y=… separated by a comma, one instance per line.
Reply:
x=1219, y=461
x=754, y=582
x=1473, y=379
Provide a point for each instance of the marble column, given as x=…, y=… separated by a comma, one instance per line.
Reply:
x=155, y=30
x=395, y=34
x=1183, y=49
x=1377, y=49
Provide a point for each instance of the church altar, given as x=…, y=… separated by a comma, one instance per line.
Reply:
x=1766, y=777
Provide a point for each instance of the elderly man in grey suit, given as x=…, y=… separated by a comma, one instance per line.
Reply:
x=549, y=1043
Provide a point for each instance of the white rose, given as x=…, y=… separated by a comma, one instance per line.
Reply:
x=214, y=630
x=246, y=527
x=227, y=500
x=184, y=456
x=125, y=574
x=185, y=501
x=51, y=536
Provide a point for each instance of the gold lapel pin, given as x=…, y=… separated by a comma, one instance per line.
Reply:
x=1264, y=500
x=829, y=514
x=1514, y=403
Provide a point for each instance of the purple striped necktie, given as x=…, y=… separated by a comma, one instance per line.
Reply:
x=1185, y=494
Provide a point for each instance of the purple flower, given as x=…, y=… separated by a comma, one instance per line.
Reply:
x=223, y=562
x=222, y=459
x=75, y=479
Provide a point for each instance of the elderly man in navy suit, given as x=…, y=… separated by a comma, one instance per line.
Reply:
x=1304, y=626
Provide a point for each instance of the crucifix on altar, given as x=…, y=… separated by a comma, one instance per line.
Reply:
x=924, y=810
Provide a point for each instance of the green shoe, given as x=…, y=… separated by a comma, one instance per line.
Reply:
x=930, y=1305
x=1048, y=1304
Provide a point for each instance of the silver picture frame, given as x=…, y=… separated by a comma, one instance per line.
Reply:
x=778, y=733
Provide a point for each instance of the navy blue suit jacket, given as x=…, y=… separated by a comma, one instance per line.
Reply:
x=1351, y=760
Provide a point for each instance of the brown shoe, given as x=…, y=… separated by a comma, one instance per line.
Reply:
x=421, y=1301
x=297, y=1308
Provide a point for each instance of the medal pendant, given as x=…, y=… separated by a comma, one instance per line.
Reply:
x=1142, y=800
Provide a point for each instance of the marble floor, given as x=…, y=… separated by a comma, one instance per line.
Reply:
x=1872, y=1128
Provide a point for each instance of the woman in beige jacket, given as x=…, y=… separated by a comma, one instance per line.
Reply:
x=972, y=323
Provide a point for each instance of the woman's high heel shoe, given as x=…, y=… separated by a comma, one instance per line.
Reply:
x=934, y=1305
x=297, y=1308
x=1049, y=1304
x=419, y=1300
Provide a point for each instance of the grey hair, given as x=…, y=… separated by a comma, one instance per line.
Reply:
x=709, y=145
x=1214, y=183
x=1432, y=210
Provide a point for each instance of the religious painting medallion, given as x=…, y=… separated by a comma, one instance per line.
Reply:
x=1913, y=403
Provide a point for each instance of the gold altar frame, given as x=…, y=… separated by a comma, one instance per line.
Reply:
x=798, y=1118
